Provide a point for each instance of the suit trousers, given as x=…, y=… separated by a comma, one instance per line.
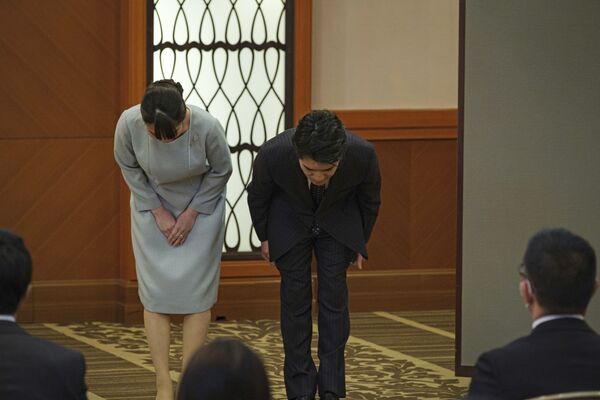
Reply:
x=333, y=258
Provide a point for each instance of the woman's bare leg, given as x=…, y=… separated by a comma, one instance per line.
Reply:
x=195, y=329
x=158, y=332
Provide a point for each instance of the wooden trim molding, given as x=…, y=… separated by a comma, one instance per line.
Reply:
x=247, y=268
x=133, y=84
x=302, y=57
x=258, y=297
x=401, y=124
x=69, y=301
x=407, y=134
x=399, y=118
x=239, y=298
x=133, y=52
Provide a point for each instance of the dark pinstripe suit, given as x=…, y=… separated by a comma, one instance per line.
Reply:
x=284, y=213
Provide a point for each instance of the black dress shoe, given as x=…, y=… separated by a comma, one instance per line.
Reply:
x=303, y=398
x=330, y=396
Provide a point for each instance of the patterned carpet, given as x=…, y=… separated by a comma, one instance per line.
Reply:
x=401, y=355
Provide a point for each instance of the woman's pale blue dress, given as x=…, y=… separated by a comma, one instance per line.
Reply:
x=191, y=171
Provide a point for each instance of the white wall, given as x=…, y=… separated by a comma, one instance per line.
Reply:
x=385, y=54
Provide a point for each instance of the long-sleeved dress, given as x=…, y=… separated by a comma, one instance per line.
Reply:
x=190, y=172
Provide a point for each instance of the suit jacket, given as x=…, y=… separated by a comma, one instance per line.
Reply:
x=558, y=356
x=283, y=211
x=35, y=369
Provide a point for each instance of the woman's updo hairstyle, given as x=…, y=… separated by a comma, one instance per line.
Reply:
x=163, y=106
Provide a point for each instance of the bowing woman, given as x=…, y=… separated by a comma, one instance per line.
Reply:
x=176, y=162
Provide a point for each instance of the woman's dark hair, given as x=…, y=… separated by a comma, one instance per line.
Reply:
x=561, y=268
x=163, y=106
x=321, y=136
x=15, y=272
x=224, y=369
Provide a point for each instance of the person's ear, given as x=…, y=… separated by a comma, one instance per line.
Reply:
x=526, y=292
x=596, y=285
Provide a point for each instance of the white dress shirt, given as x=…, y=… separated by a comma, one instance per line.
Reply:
x=552, y=317
x=6, y=317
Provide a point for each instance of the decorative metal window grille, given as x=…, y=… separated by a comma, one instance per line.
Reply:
x=233, y=58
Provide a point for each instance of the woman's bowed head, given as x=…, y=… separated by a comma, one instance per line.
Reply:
x=164, y=111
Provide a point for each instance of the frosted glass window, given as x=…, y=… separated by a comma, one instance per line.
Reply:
x=230, y=57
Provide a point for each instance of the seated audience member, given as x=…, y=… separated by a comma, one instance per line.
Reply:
x=30, y=368
x=562, y=353
x=224, y=369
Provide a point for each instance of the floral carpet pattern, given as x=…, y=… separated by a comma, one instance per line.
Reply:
x=119, y=364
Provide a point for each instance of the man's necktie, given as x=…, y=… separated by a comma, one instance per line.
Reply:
x=316, y=192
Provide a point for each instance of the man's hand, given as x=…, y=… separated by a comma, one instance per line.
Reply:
x=264, y=250
x=182, y=228
x=164, y=220
x=358, y=261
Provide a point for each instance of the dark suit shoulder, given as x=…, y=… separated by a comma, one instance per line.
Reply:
x=358, y=143
x=516, y=347
x=279, y=149
x=554, y=337
x=281, y=142
x=37, y=348
x=44, y=348
x=488, y=381
x=358, y=148
x=531, y=365
x=35, y=365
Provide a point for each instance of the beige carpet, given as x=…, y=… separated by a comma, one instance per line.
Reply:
x=401, y=355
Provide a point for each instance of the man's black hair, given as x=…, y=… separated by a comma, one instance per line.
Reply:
x=15, y=272
x=561, y=268
x=321, y=136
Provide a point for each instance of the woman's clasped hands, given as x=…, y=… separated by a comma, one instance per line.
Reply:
x=175, y=230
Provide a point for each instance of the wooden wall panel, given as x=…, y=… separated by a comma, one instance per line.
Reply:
x=416, y=227
x=404, y=289
x=433, y=204
x=58, y=181
x=61, y=195
x=75, y=300
x=60, y=68
x=389, y=247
